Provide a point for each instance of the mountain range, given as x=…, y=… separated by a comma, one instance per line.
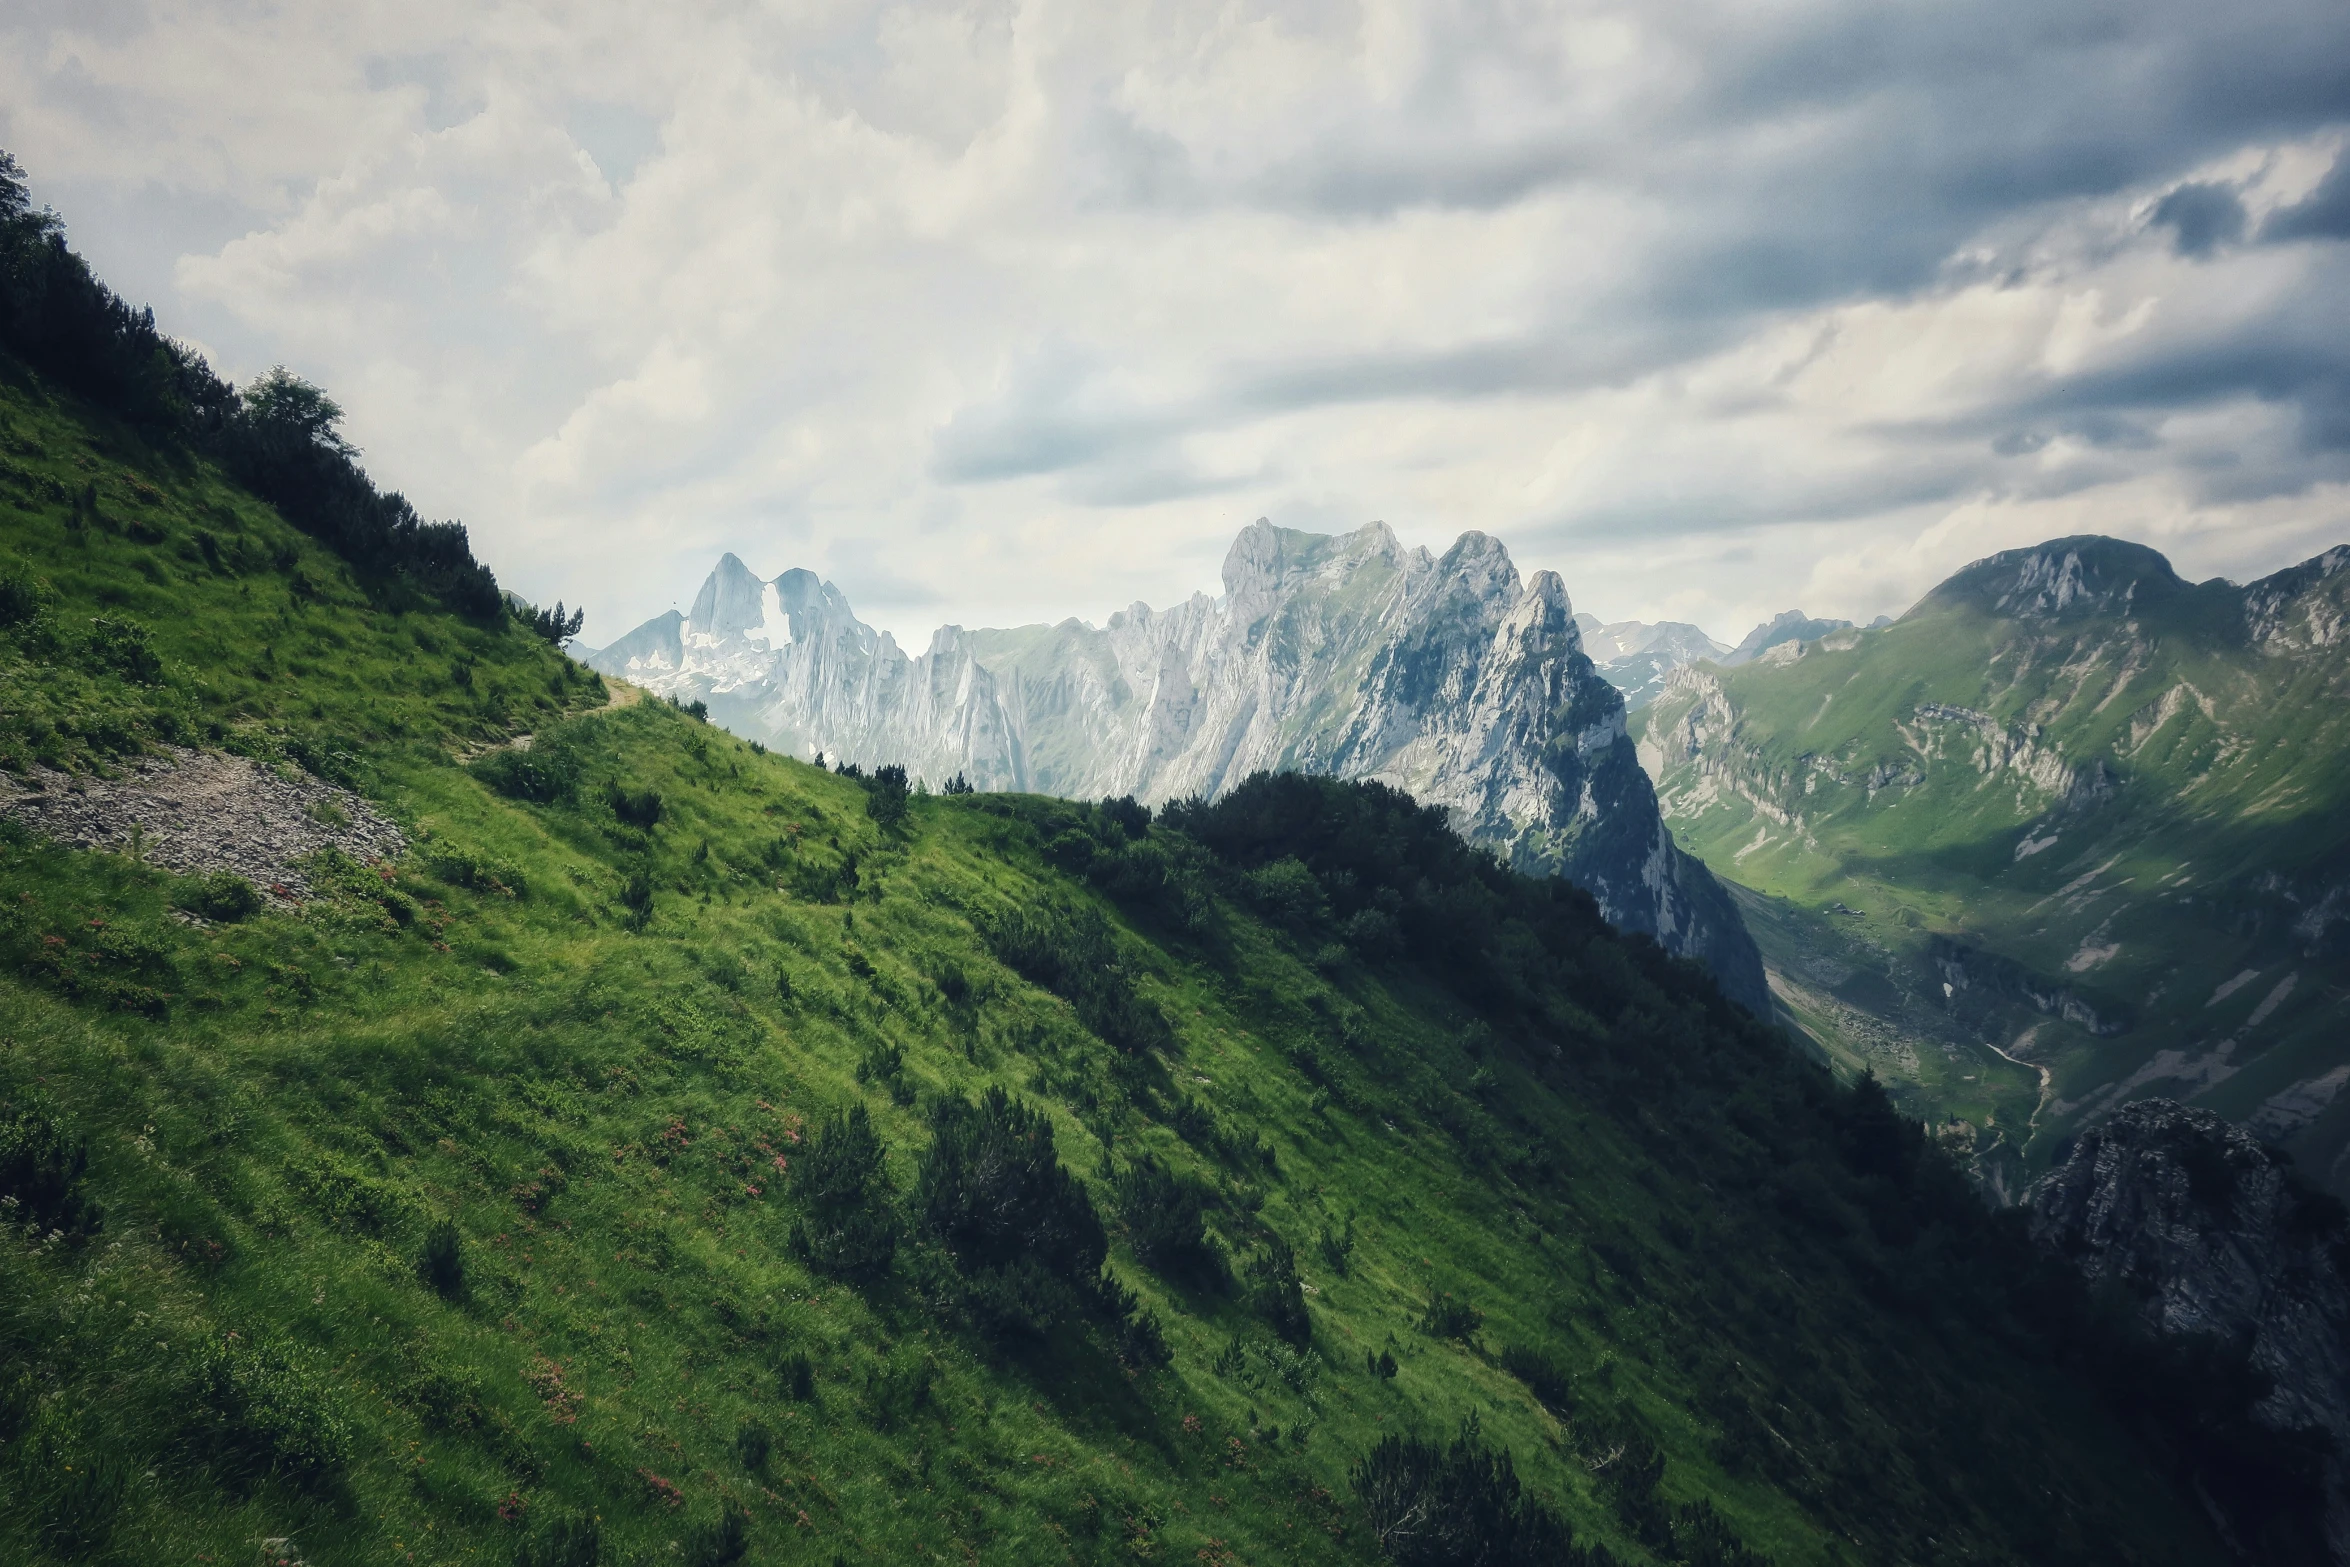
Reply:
x=1782, y=630
x=2068, y=834
x=1636, y=657
x=1446, y=676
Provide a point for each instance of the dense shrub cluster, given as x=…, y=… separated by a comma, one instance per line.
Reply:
x=1450, y=1316
x=1163, y=874
x=1431, y=1505
x=220, y=896
x=42, y=1166
x=267, y=1407
x=1164, y=1216
x=1259, y=1363
x=442, y=1263
x=636, y=807
x=463, y=866
x=1551, y=1384
x=883, y=1065
x=547, y=772
x=887, y=796
x=992, y=1190
x=1021, y=1232
x=848, y=1226
x=1071, y=952
x=1276, y=1293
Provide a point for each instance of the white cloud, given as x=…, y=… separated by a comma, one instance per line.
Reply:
x=1000, y=311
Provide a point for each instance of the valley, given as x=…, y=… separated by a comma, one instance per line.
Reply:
x=2070, y=822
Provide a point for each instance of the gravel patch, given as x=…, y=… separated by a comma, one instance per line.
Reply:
x=202, y=811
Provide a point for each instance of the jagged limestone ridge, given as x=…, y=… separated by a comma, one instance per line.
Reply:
x=1447, y=676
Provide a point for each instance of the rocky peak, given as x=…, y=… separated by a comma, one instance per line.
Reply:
x=1482, y=568
x=1543, y=620
x=815, y=611
x=1263, y=559
x=2086, y=575
x=730, y=603
x=1266, y=562
x=2302, y=608
x=1373, y=541
x=657, y=644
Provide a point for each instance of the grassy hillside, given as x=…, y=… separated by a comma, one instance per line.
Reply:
x=615, y=1176
x=2029, y=862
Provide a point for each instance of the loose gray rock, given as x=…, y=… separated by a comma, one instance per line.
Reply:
x=196, y=812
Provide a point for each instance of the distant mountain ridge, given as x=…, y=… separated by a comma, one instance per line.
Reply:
x=1785, y=630
x=2070, y=834
x=1350, y=655
x=1635, y=656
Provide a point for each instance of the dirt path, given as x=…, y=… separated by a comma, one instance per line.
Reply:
x=617, y=693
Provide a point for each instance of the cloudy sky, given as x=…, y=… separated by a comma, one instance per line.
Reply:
x=1004, y=312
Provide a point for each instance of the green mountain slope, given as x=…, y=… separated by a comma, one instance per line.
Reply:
x=497, y=1201
x=2067, y=834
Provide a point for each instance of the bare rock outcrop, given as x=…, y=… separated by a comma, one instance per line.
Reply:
x=2208, y=1233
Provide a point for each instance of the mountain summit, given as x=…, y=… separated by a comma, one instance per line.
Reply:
x=1791, y=626
x=2069, y=579
x=1447, y=676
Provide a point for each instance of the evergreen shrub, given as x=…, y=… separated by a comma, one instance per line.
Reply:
x=221, y=896
x=1436, y=1506
x=848, y=1227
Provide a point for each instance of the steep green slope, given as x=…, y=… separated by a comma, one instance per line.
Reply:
x=502, y=1202
x=2069, y=833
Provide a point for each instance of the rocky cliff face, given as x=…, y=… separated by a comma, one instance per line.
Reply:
x=1445, y=676
x=2208, y=1233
